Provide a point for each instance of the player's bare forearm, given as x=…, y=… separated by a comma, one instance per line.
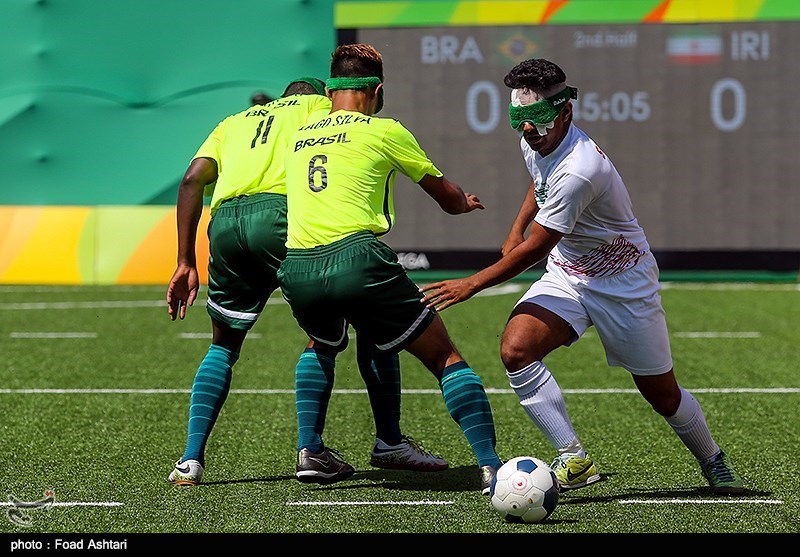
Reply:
x=189, y=211
x=183, y=286
x=185, y=283
x=525, y=216
x=449, y=195
x=513, y=239
x=200, y=173
x=527, y=254
x=441, y=295
x=514, y=263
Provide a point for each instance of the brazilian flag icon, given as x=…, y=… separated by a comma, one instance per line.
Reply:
x=513, y=47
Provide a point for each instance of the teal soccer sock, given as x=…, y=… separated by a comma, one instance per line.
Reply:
x=381, y=374
x=467, y=403
x=209, y=391
x=313, y=386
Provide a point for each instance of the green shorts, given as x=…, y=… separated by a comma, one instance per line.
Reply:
x=247, y=242
x=356, y=280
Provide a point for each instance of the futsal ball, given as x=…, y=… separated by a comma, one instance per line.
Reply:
x=524, y=489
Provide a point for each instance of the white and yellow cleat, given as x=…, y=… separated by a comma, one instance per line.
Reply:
x=186, y=473
x=573, y=471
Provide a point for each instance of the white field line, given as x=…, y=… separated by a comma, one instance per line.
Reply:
x=83, y=305
x=624, y=502
x=278, y=300
x=118, y=304
x=719, y=334
x=52, y=335
x=73, y=504
x=507, y=288
x=698, y=334
x=498, y=290
x=192, y=336
x=731, y=501
x=776, y=390
x=364, y=503
x=755, y=286
x=512, y=285
x=352, y=335
x=42, y=288
x=110, y=304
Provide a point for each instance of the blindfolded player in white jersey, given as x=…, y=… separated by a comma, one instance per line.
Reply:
x=600, y=272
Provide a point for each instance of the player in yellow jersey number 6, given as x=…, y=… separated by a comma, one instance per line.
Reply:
x=340, y=175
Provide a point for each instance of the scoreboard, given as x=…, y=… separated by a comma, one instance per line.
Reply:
x=701, y=119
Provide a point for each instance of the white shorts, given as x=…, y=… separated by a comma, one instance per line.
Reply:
x=625, y=309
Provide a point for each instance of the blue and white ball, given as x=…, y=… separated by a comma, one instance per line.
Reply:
x=525, y=489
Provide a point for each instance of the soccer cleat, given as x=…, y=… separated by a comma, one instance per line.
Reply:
x=488, y=474
x=324, y=467
x=573, y=471
x=406, y=455
x=722, y=476
x=186, y=473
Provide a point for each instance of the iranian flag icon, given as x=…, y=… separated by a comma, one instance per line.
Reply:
x=694, y=48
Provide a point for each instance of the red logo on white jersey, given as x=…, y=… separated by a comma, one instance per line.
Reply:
x=606, y=260
x=602, y=154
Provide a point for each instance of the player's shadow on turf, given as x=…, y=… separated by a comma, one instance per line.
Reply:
x=252, y=480
x=584, y=496
x=460, y=478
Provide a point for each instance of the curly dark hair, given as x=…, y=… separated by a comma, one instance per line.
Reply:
x=536, y=74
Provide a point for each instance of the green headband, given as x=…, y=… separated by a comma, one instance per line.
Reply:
x=543, y=111
x=317, y=84
x=339, y=83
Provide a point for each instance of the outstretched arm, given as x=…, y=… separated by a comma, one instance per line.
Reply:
x=441, y=295
x=449, y=195
x=185, y=283
x=524, y=218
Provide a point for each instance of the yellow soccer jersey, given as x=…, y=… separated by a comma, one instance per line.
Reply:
x=249, y=147
x=340, y=174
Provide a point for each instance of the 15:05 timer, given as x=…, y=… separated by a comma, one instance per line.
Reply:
x=619, y=107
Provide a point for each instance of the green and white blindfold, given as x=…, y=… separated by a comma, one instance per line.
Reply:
x=541, y=113
x=339, y=83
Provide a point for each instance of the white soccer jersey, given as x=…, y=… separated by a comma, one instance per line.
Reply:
x=580, y=193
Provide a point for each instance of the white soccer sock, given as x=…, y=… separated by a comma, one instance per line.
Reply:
x=689, y=423
x=540, y=396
